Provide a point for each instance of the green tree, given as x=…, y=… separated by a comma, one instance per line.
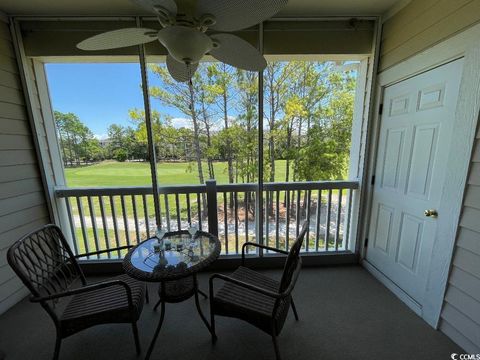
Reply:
x=278, y=77
x=247, y=121
x=77, y=142
x=330, y=136
x=184, y=97
x=117, y=143
x=220, y=88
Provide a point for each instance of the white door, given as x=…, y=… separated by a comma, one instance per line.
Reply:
x=415, y=135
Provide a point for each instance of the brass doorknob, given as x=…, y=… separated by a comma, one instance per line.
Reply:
x=431, y=213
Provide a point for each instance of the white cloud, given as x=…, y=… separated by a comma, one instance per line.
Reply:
x=216, y=125
x=100, y=136
x=187, y=123
x=182, y=122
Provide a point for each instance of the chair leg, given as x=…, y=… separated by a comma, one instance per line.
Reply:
x=157, y=330
x=157, y=304
x=203, y=294
x=275, y=345
x=212, y=317
x=212, y=326
x=135, y=336
x=56, y=353
x=147, y=297
x=294, y=310
x=197, y=304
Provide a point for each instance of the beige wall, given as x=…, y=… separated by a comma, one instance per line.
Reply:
x=422, y=24
x=460, y=318
x=22, y=201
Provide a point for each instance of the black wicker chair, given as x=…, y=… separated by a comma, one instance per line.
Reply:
x=46, y=265
x=256, y=298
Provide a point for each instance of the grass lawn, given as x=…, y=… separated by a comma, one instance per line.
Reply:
x=112, y=173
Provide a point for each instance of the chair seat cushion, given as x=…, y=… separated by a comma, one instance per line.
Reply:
x=106, y=305
x=236, y=301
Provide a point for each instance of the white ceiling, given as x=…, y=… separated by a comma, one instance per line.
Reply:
x=337, y=7
x=126, y=7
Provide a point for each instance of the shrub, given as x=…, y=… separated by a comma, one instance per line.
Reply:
x=120, y=155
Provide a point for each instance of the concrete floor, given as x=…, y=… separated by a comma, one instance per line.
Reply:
x=344, y=314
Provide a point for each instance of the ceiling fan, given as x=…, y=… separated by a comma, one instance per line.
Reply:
x=184, y=33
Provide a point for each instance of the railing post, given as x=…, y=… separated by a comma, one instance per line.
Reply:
x=212, y=207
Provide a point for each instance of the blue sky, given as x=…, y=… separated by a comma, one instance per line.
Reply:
x=99, y=94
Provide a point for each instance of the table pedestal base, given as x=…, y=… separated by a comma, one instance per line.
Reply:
x=165, y=299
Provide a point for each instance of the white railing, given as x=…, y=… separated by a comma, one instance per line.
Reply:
x=108, y=217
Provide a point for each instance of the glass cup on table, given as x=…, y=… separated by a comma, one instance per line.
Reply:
x=159, y=234
x=192, y=230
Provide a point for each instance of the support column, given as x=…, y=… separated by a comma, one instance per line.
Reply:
x=259, y=210
x=148, y=123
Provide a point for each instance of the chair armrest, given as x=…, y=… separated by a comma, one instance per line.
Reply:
x=242, y=284
x=103, y=251
x=88, y=288
x=245, y=245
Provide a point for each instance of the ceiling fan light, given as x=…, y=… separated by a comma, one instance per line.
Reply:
x=185, y=44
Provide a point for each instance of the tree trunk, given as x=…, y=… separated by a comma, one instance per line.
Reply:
x=271, y=144
x=236, y=171
x=228, y=147
x=211, y=171
x=62, y=145
x=185, y=150
x=198, y=153
x=70, y=150
x=77, y=159
x=299, y=145
x=287, y=166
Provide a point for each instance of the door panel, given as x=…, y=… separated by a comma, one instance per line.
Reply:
x=400, y=105
x=392, y=161
x=431, y=97
x=414, y=140
x=384, y=227
x=421, y=163
x=410, y=238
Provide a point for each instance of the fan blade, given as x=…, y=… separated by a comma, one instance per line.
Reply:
x=232, y=15
x=118, y=39
x=237, y=52
x=180, y=71
x=151, y=5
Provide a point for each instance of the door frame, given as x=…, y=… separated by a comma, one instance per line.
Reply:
x=464, y=45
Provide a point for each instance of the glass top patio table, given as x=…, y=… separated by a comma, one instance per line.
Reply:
x=181, y=255
x=174, y=265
